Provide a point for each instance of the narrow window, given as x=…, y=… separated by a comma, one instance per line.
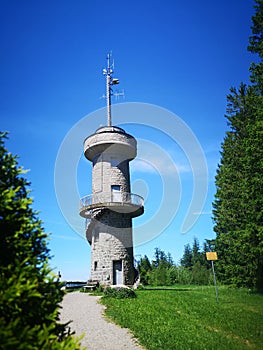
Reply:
x=116, y=193
x=95, y=265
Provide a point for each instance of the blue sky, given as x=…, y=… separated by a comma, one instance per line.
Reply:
x=181, y=56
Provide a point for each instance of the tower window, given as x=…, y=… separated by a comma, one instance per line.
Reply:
x=95, y=265
x=116, y=193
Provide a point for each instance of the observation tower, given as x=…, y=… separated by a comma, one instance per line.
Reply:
x=111, y=206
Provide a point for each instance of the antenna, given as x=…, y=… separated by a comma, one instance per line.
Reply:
x=109, y=81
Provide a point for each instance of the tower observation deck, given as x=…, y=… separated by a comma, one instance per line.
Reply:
x=110, y=207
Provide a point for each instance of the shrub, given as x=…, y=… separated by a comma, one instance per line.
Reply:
x=119, y=293
x=29, y=294
x=201, y=275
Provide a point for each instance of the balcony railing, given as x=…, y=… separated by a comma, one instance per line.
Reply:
x=117, y=201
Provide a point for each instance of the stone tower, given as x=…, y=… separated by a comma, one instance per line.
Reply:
x=111, y=206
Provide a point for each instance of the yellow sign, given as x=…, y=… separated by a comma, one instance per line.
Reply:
x=211, y=256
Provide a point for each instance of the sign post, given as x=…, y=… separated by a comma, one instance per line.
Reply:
x=212, y=256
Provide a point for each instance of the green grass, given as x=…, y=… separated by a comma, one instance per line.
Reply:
x=191, y=318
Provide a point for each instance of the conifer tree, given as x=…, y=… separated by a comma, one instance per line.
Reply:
x=196, y=254
x=29, y=295
x=144, y=267
x=238, y=201
x=187, y=259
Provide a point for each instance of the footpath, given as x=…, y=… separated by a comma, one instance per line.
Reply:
x=87, y=318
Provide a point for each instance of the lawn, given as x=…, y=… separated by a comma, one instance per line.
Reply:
x=191, y=318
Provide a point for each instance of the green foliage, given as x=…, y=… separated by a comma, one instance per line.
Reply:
x=159, y=271
x=98, y=291
x=193, y=255
x=29, y=294
x=160, y=258
x=144, y=268
x=200, y=274
x=163, y=272
x=187, y=258
x=194, y=261
x=238, y=213
x=183, y=275
x=192, y=319
x=255, y=46
x=119, y=293
x=160, y=276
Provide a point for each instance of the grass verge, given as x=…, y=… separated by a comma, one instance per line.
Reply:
x=191, y=318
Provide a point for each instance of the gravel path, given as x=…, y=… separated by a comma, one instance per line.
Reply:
x=87, y=316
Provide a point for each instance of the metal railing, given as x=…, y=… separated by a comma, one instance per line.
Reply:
x=111, y=197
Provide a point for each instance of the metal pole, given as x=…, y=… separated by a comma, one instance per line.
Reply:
x=108, y=90
x=215, y=280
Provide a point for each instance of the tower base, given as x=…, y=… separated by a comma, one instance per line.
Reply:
x=110, y=236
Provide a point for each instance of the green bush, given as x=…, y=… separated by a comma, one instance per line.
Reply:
x=119, y=293
x=29, y=295
x=201, y=275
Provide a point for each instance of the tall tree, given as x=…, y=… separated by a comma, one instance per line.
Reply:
x=196, y=254
x=255, y=46
x=208, y=246
x=29, y=295
x=187, y=259
x=238, y=203
x=144, y=267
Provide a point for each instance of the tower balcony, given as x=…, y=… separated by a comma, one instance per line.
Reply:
x=122, y=202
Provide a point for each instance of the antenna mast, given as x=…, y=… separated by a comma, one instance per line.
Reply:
x=109, y=81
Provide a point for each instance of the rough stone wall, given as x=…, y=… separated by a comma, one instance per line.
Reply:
x=110, y=169
x=110, y=232
x=112, y=241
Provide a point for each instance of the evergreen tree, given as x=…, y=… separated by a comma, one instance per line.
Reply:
x=255, y=46
x=187, y=259
x=208, y=246
x=239, y=197
x=144, y=267
x=29, y=295
x=157, y=257
x=170, y=261
x=163, y=272
x=160, y=258
x=196, y=255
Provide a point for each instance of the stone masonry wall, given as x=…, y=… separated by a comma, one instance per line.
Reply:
x=110, y=169
x=110, y=149
x=112, y=241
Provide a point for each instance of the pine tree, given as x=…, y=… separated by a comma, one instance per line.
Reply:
x=29, y=295
x=208, y=246
x=255, y=46
x=144, y=267
x=157, y=257
x=170, y=261
x=187, y=259
x=196, y=255
x=239, y=197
